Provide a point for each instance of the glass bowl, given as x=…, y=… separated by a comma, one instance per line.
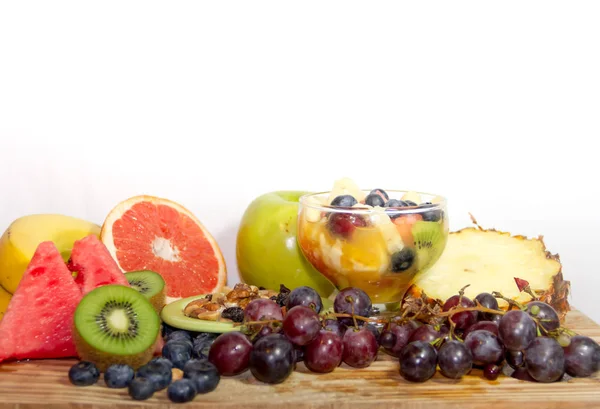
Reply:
x=380, y=249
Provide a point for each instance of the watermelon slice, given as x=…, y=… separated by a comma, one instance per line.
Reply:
x=94, y=265
x=39, y=320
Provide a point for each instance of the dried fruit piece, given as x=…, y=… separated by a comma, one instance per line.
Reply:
x=488, y=260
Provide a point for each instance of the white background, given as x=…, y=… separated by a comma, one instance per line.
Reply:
x=494, y=104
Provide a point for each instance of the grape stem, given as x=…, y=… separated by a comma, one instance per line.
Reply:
x=511, y=303
x=478, y=307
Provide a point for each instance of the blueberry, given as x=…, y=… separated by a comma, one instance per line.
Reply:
x=203, y=373
x=163, y=361
x=118, y=376
x=402, y=260
x=206, y=336
x=167, y=330
x=380, y=192
x=344, y=201
x=395, y=203
x=179, y=336
x=158, y=373
x=201, y=349
x=374, y=199
x=141, y=388
x=202, y=344
x=84, y=374
x=181, y=391
x=431, y=215
x=178, y=352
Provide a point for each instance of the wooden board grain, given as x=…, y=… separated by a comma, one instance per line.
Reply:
x=44, y=384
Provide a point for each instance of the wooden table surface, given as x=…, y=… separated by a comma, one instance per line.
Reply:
x=44, y=384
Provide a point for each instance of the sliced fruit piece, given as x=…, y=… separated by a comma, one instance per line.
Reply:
x=430, y=241
x=115, y=324
x=151, y=233
x=21, y=239
x=5, y=297
x=346, y=186
x=412, y=196
x=151, y=285
x=404, y=225
x=489, y=260
x=313, y=214
x=388, y=230
x=366, y=252
x=94, y=266
x=39, y=320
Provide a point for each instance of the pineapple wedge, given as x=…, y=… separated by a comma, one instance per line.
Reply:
x=489, y=260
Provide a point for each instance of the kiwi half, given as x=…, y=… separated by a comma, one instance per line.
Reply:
x=151, y=285
x=429, y=239
x=115, y=324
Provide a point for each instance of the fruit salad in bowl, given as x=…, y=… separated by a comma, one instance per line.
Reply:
x=377, y=240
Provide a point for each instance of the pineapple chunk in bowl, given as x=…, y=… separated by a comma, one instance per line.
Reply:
x=376, y=240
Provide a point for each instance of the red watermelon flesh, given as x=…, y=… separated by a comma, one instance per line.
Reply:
x=39, y=320
x=94, y=265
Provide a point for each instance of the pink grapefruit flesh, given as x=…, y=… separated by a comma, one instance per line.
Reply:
x=150, y=233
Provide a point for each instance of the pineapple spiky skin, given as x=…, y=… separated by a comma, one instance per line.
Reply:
x=489, y=260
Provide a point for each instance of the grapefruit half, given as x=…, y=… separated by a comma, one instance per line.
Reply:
x=151, y=233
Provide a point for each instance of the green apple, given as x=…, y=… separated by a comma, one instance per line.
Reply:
x=267, y=250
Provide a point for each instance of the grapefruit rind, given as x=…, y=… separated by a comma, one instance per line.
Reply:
x=106, y=235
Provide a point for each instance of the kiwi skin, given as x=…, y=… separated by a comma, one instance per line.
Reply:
x=103, y=360
x=158, y=300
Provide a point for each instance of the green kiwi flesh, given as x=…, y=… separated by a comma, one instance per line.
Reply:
x=430, y=241
x=151, y=285
x=115, y=324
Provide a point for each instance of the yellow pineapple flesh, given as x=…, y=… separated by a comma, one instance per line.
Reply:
x=489, y=260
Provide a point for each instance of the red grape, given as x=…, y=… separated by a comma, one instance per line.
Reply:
x=515, y=359
x=487, y=300
x=402, y=333
x=491, y=372
x=485, y=347
x=387, y=339
x=455, y=359
x=352, y=298
x=301, y=325
x=344, y=224
x=545, y=314
x=336, y=327
x=305, y=296
x=272, y=359
x=230, y=353
x=262, y=309
x=360, y=347
x=582, y=356
x=418, y=361
x=324, y=353
x=545, y=359
x=485, y=325
x=517, y=330
x=425, y=333
x=465, y=319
